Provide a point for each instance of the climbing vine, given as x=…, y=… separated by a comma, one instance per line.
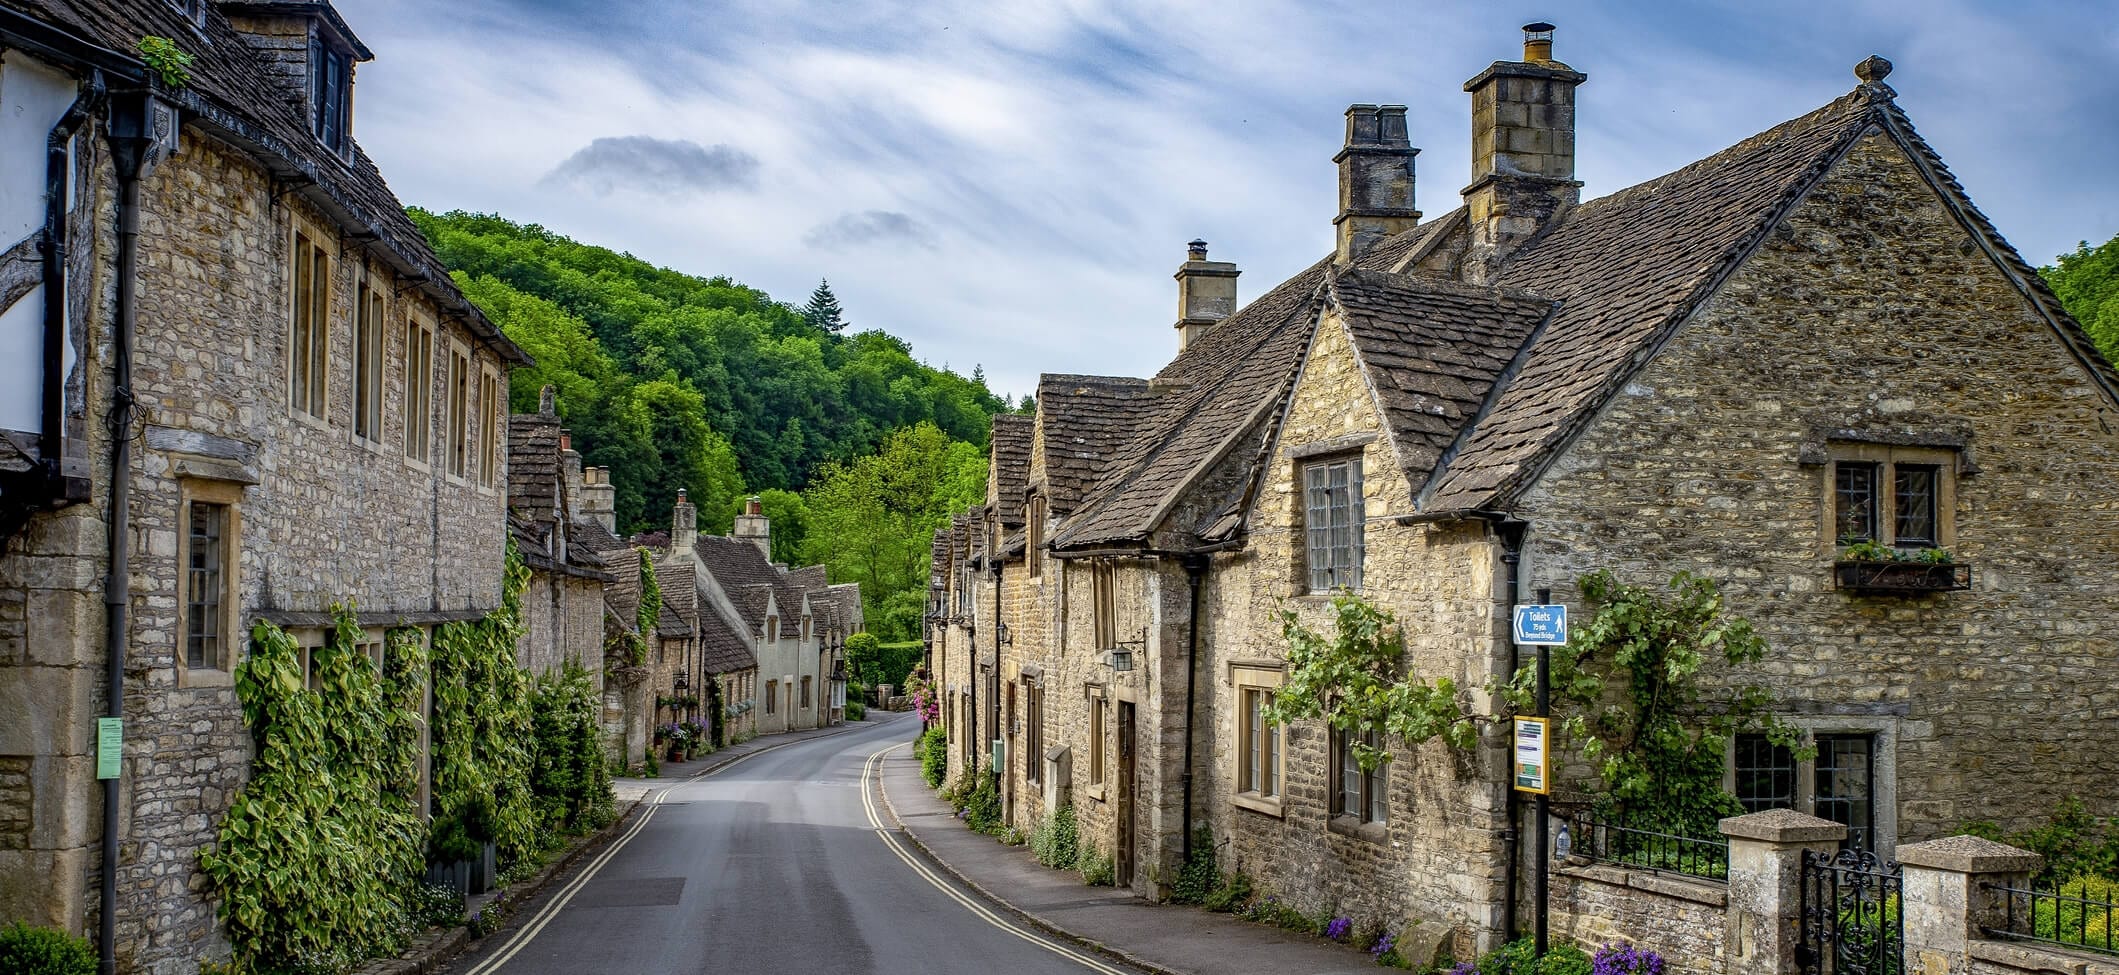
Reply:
x=318, y=860
x=1355, y=678
x=1629, y=680
x=483, y=730
x=632, y=647
x=1631, y=677
x=317, y=856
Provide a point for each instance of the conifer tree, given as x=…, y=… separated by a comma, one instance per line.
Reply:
x=823, y=310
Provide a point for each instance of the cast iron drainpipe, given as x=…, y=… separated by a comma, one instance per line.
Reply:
x=1195, y=570
x=1511, y=536
x=129, y=143
x=999, y=567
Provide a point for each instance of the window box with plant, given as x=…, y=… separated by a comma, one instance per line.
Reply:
x=1871, y=567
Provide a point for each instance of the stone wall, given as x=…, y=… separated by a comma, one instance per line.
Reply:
x=1681, y=918
x=1872, y=311
x=324, y=518
x=1434, y=870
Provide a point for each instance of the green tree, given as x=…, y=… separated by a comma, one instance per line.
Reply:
x=2087, y=282
x=870, y=519
x=823, y=312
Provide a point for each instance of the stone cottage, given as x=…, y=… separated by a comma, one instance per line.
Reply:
x=307, y=414
x=773, y=637
x=1809, y=339
x=563, y=609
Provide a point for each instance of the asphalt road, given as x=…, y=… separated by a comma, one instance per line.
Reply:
x=785, y=861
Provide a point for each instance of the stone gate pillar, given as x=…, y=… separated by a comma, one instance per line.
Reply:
x=1765, y=886
x=1945, y=902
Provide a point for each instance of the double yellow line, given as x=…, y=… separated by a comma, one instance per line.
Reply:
x=529, y=929
x=981, y=911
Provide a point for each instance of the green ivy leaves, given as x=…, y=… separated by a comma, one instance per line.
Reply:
x=1355, y=679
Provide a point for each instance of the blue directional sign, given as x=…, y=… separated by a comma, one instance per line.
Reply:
x=1541, y=626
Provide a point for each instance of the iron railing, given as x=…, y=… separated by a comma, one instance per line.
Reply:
x=1606, y=841
x=2073, y=915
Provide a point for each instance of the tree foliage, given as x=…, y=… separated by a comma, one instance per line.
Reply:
x=1640, y=711
x=823, y=312
x=871, y=520
x=1356, y=680
x=2087, y=282
x=675, y=381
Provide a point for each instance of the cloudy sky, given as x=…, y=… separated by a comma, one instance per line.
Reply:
x=1012, y=184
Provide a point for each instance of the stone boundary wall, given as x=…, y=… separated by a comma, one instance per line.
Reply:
x=2018, y=958
x=1682, y=918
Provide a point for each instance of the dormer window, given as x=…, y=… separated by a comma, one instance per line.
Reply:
x=193, y=10
x=331, y=95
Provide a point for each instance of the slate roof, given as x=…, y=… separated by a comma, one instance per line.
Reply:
x=721, y=650
x=1011, y=465
x=232, y=92
x=1085, y=420
x=533, y=466
x=591, y=535
x=1431, y=351
x=1219, y=388
x=1481, y=387
x=748, y=578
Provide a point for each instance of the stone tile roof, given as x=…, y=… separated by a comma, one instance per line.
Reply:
x=720, y=649
x=1431, y=351
x=590, y=534
x=1480, y=387
x=234, y=94
x=852, y=619
x=1627, y=269
x=1085, y=420
x=533, y=466
x=1011, y=466
x=750, y=580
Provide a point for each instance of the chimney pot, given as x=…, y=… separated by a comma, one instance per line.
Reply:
x=1206, y=293
x=1537, y=41
x=566, y=440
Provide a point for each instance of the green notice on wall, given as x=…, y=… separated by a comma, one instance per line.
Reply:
x=110, y=746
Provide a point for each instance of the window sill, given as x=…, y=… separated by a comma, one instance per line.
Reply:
x=419, y=465
x=188, y=678
x=304, y=416
x=1262, y=804
x=1346, y=825
x=1095, y=792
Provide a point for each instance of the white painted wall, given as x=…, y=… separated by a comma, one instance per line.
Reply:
x=33, y=97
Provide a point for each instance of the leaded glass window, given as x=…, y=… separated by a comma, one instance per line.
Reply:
x=1332, y=500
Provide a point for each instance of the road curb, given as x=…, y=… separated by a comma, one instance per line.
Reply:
x=1041, y=923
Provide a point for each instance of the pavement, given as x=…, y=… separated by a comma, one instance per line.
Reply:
x=773, y=856
x=1161, y=938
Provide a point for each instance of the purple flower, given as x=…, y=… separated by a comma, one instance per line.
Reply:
x=1625, y=959
x=1338, y=929
x=1383, y=946
x=1465, y=968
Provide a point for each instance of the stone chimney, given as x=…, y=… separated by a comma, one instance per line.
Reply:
x=599, y=498
x=547, y=401
x=1206, y=293
x=1523, y=151
x=754, y=527
x=1375, y=179
x=684, y=525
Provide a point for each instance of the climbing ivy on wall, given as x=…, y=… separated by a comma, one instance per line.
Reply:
x=650, y=595
x=319, y=857
x=482, y=729
x=1628, y=684
x=319, y=850
x=1631, y=678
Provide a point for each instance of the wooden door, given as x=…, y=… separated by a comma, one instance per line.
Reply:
x=1008, y=759
x=1123, y=865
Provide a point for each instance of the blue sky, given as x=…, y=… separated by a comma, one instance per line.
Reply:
x=1012, y=184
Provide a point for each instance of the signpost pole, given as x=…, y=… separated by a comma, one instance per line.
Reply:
x=1544, y=801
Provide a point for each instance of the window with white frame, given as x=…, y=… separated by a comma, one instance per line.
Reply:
x=1332, y=522
x=1096, y=736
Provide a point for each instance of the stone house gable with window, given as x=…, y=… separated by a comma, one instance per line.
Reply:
x=311, y=414
x=1726, y=370
x=800, y=666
